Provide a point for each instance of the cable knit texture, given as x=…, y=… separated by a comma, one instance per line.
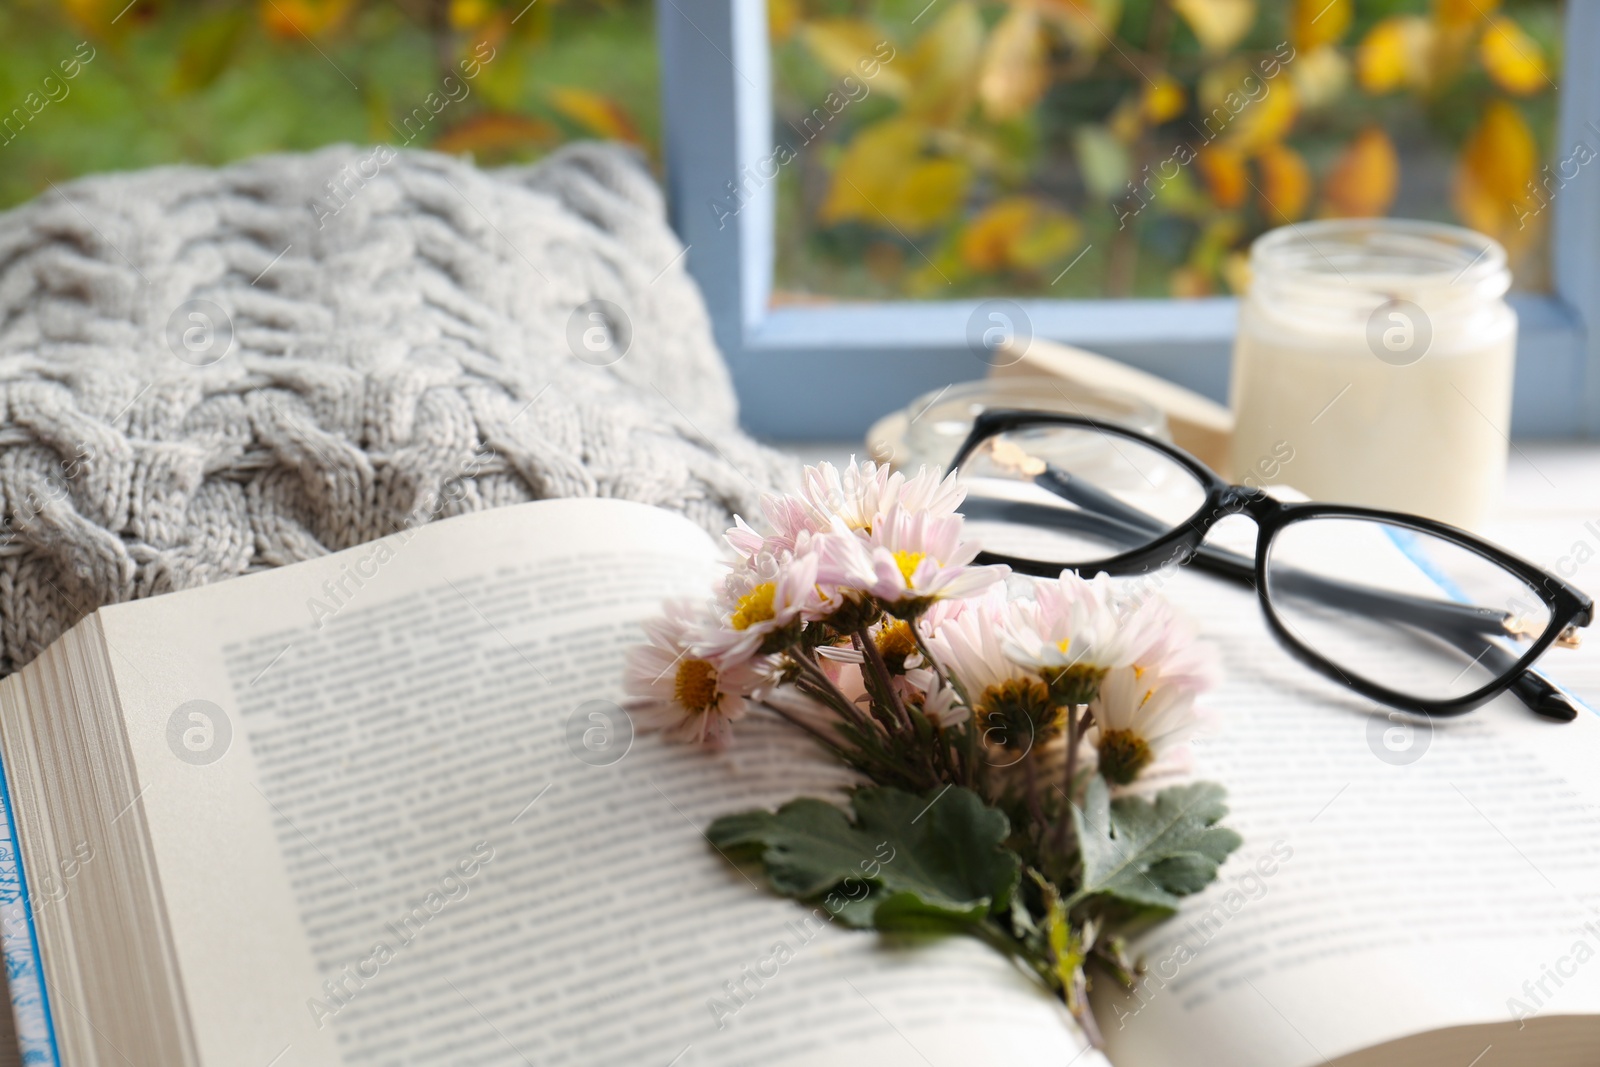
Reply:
x=399, y=353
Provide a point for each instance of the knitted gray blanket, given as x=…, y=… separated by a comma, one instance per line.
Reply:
x=207, y=372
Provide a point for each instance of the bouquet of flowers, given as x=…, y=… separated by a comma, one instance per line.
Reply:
x=1010, y=734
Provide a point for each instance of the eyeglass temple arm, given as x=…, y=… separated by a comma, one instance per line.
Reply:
x=1443, y=617
x=1416, y=610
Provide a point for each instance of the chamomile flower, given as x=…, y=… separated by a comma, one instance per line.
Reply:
x=1139, y=718
x=893, y=639
x=910, y=560
x=744, y=539
x=1071, y=633
x=927, y=492
x=1165, y=641
x=675, y=690
x=921, y=687
x=864, y=492
x=854, y=496
x=1013, y=706
x=762, y=601
x=791, y=520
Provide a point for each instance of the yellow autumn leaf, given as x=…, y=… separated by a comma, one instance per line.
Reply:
x=1089, y=25
x=929, y=194
x=1459, y=13
x=943, y=66
x=870, y=169
x=1223, y=169
x=595, y=112
x=1217, y=24
x=1015, y=71
x=987, y=240
x=1320, y=76
x=850, y=48
x=1395, y=54
x=1054, y=235
x=885, y=175
x=1163, y=99
x=783, y=17
x=1316, y=23
x=1364, y=179
x=1268, y=119
x=1017, y=233
x=1285, y=183
x=1497, y=162
x=492, y=133
x=469, y=14
x=302, y=18
x=1513, y=59
x=1181, y=195
x=1237, y=104
x=88, y=15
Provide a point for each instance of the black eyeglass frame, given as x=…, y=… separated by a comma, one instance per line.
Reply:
x=1569, y=606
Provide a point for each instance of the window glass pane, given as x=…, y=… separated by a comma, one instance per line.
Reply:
x=99, y=85
x=1114, y=148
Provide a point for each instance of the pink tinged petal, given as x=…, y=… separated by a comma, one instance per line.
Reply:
x=742, y=538
x=974, y=580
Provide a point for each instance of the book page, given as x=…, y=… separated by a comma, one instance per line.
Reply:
x=398, y=818
x=1396, y=876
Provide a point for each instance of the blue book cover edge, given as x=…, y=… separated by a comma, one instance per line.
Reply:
x=30, y=1000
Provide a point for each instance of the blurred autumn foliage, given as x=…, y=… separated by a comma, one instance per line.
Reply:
x=1071, y=148
x=209, y=81
x=1082, y=148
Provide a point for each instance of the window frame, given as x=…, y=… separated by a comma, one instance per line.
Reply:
x=825, y=372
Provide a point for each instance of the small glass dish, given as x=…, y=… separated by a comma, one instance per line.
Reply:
x=928, y=431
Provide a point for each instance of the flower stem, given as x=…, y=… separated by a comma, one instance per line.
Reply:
x=1074, y=733
x=827, y=742
x=880, y=669
x=830, y=690
x=1031, y=784
x=933, y=662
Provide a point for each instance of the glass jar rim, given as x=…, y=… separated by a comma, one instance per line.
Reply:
x=1381, y=255
x=930, y=429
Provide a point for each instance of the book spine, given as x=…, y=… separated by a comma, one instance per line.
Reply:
x=19, y=939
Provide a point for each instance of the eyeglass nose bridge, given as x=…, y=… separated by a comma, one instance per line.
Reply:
x=1247, y=500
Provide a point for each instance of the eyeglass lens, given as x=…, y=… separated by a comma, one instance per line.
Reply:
x=1400, y=608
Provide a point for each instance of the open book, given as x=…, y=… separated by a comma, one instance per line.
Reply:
x=380, y=807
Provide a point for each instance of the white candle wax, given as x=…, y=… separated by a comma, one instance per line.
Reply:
x=1373, y=366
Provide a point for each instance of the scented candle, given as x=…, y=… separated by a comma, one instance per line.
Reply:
x=1373, y=365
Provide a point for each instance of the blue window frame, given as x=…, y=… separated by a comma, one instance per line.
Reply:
x=826, y=371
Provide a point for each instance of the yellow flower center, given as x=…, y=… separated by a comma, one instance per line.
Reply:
x=755, y=606
x=907, y=562
x=695, y=686
x=896, y=639
x=1123, y=754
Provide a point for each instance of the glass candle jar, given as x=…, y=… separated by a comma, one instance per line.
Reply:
x=1373, y=366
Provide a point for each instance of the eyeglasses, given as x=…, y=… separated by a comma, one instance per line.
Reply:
x=1410, y=612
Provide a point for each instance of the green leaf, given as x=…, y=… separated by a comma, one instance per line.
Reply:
x=207, y=47
x=903, y=861
x=1103, y=160
x=1152, y=854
